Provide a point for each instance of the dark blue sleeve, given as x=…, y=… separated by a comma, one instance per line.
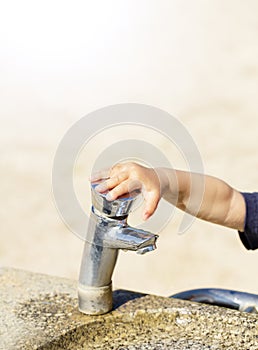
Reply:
x=249, y=237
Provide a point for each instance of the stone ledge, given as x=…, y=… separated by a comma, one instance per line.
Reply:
x=41, y=312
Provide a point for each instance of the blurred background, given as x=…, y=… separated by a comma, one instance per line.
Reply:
x=59, y=60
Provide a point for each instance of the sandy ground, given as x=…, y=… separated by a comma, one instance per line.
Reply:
x=197, y=60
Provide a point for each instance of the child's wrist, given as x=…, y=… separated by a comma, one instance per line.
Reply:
x=163, y=180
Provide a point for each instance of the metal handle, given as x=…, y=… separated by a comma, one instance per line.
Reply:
x=119, y=207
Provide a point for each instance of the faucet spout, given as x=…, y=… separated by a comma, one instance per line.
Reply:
x=129, y=238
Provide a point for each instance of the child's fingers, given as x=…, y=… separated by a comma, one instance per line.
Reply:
x=123, y=188
x=151, y=203
x=99, y=175
x=111, y=182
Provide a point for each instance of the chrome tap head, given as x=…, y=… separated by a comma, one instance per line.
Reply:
x=120, y=207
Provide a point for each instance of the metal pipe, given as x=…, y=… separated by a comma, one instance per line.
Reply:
x=232, y=299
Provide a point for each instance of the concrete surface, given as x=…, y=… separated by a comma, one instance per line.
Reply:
x=40, y=312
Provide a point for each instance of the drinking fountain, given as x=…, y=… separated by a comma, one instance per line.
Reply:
x=107, y=232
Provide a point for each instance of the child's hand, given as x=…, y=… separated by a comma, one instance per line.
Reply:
x=126, y=177
x=217, y=202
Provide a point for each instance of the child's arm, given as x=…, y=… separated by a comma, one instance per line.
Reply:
x=221, y=204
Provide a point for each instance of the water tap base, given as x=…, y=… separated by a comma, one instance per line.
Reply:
x=95, y=300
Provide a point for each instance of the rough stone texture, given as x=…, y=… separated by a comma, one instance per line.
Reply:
x=40, y=312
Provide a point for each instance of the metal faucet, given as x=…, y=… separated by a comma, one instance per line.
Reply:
x=107, y=232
